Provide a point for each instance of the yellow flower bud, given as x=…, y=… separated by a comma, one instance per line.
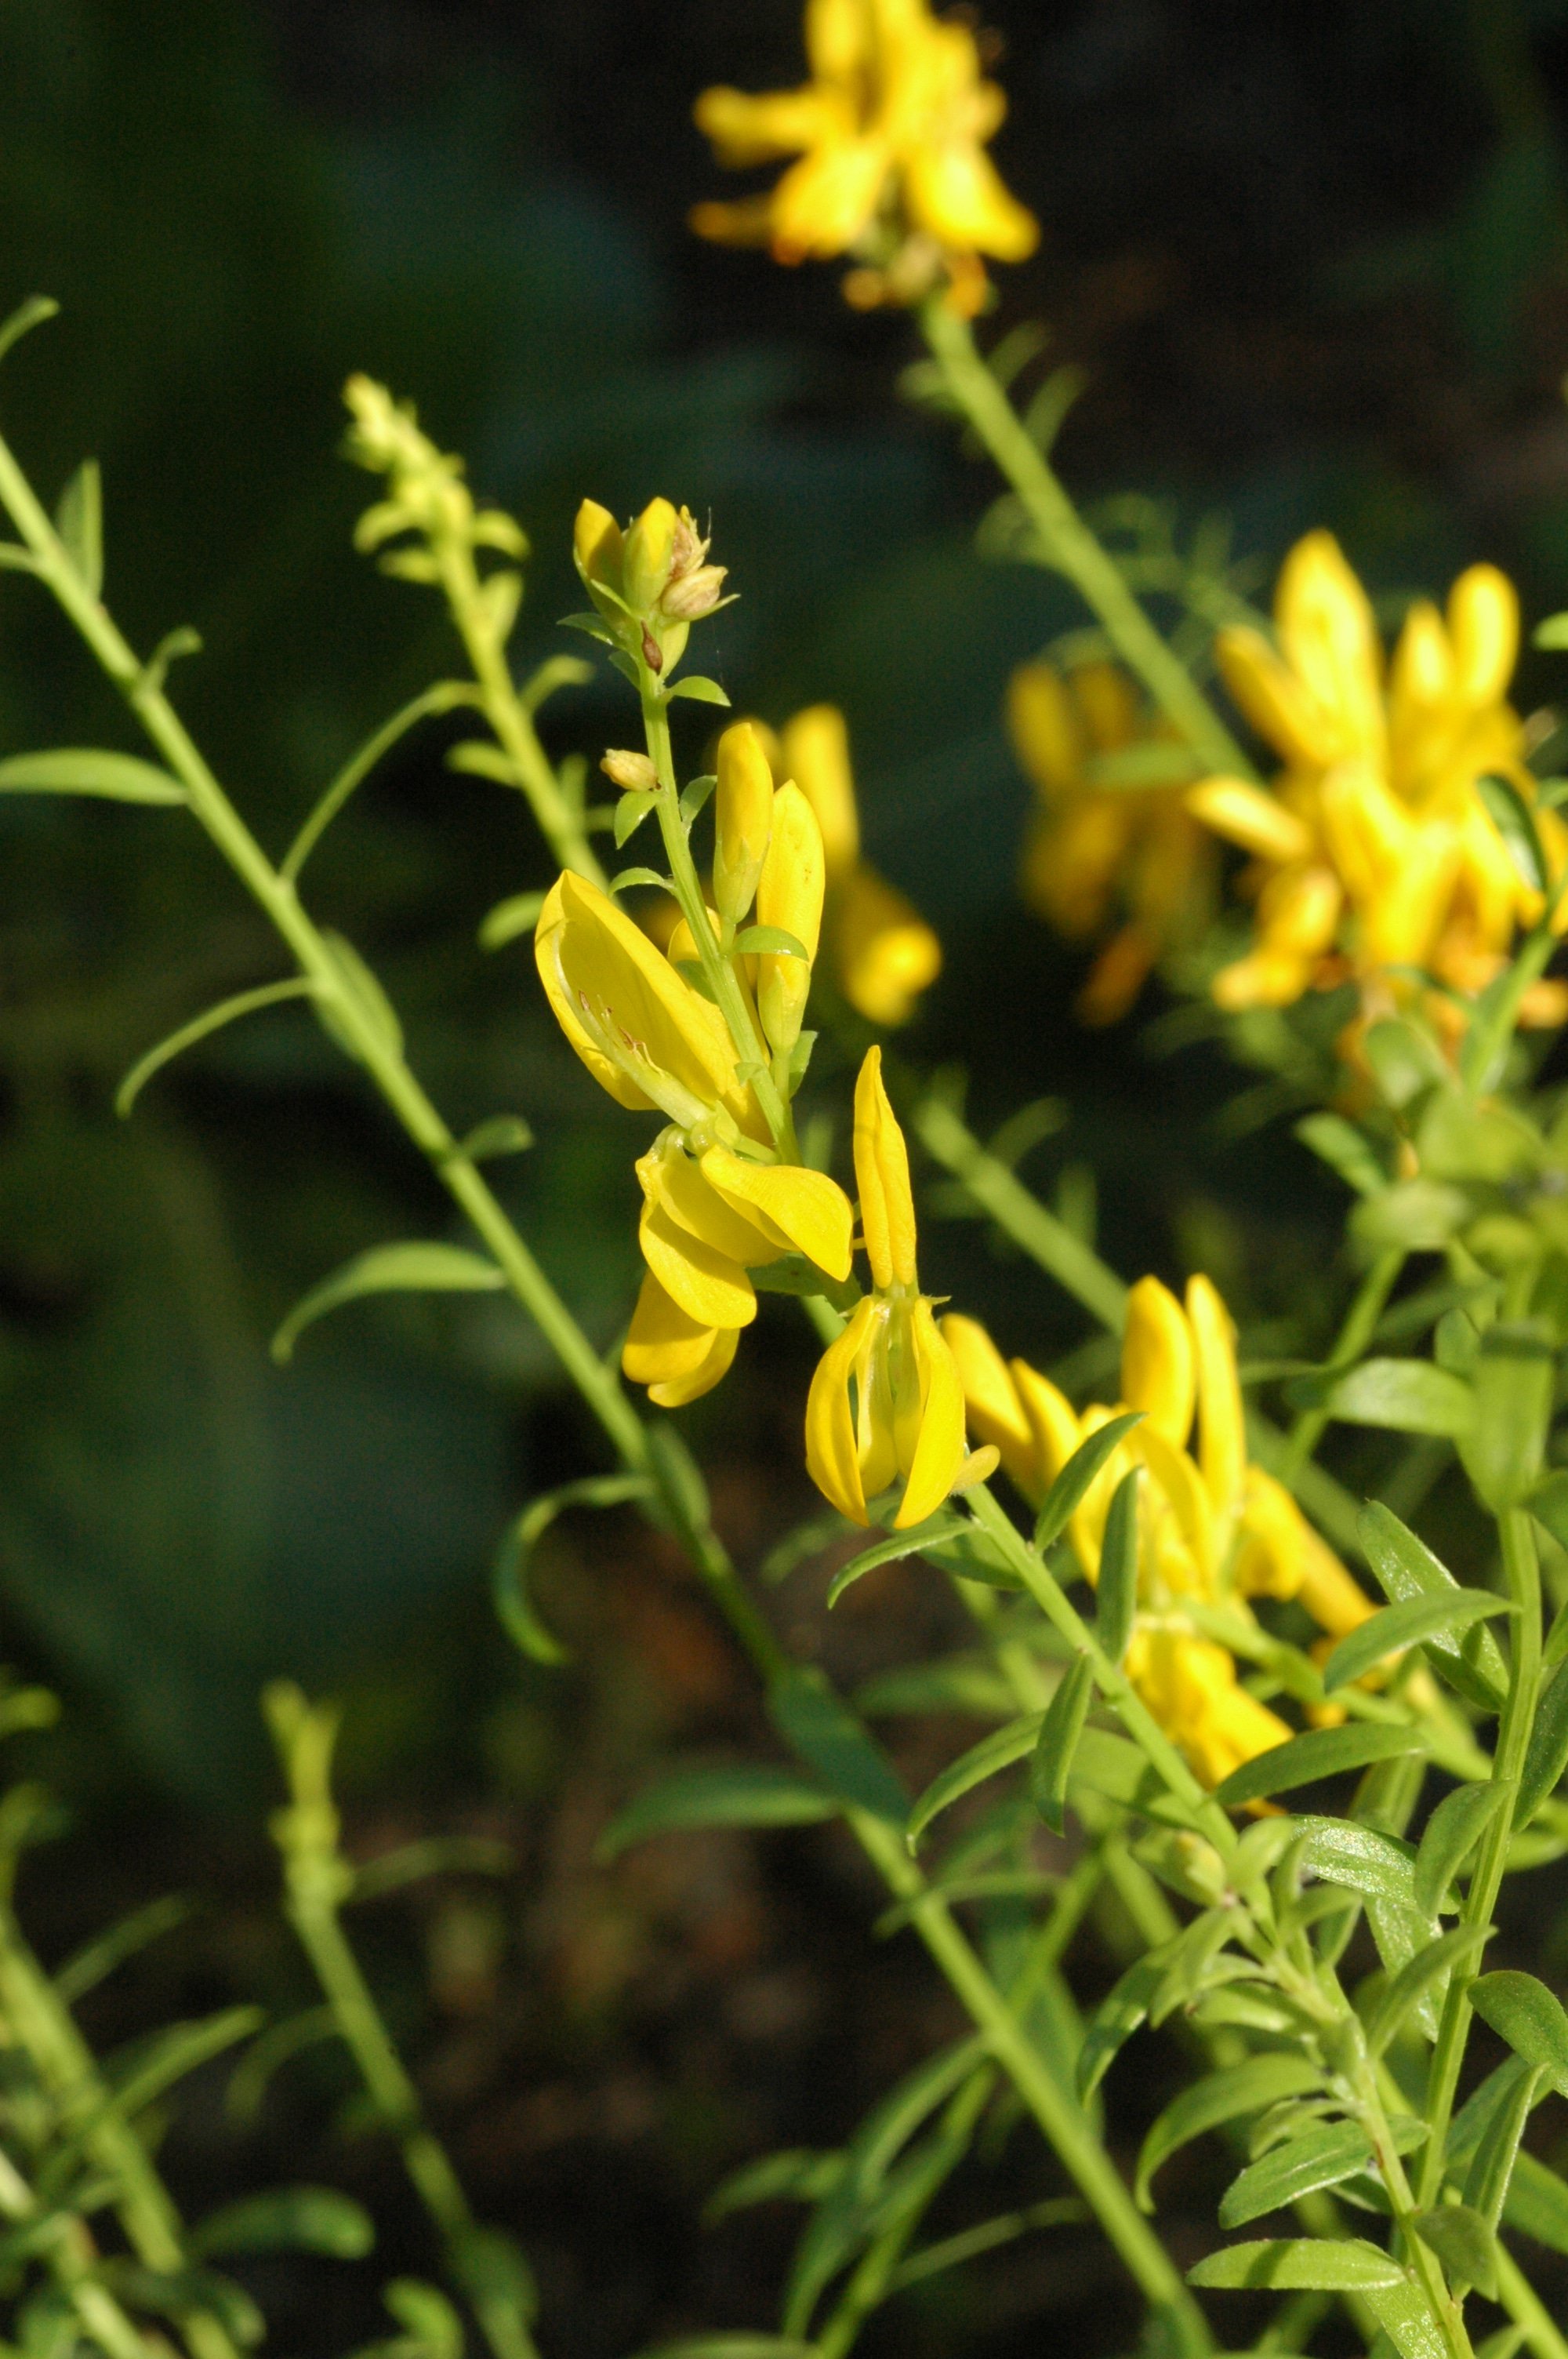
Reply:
x=815, y=751
x=743, y=812
x=885, y=952
x=789, y=894
x=597, y=546
x=1483, y=621
x=634, y=772
x=648, y=556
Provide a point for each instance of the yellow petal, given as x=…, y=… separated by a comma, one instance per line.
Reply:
x=664, y=1345
x=789, y=893
x=881, y=1173
x=1244, y=814
x=648, y=556
x=1336, y=1601
x=1329, y=638
x=814, y=751
x=832, y=1451
x=1422, y=673
x=808, y=1210
x=748, y=130
x=1157, y=1369
x=706, y=1284
x=1273, y=698
x=1106, y=698
x=596, y=544
x=1045, y=728
x=1182, y=1490
x=670, y=1177
x=609, y=1075
x=939, y=1451
x=992, y=1401
x=824, y=202
x=673, y=1392
x=1052, y=1419
x=744, y=813
x=838, y=39
x=956, y=191
x=1483, y=621
x=1222, y=1431
x=885, y=952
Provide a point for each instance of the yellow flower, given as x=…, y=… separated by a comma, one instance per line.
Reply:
x=716, y=1201
x=650, y=583
x=883, y=953
x=1213, y=1529
x=889, y=133
x=1374, y=851
x=886, y=1401
x=1126, y=865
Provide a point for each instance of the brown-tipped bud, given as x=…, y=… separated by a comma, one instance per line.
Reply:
x=597, y=546
x=689, y=596
x=789, y=893
x=648, y=556
x=634, y=772
x=743, y=811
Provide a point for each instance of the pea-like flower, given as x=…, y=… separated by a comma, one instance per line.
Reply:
x=1123, y=864
x=715, y=1200
x=889, y=134
x=1374, y=853
x=880, y=951
x=886, y=1403
x=1213, y=1528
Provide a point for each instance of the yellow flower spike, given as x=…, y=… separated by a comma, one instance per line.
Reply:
x=814, y=750
x=743, y=812
x=885, y=954
x=808, y=1212
x=1482, y=624
x=1245, y=815
x=790, y=891
x=1158, y=1371
x=648, y=556
x=1222, y=1428
x=881, y=1173
x=676, y=1358
x=992, y=1401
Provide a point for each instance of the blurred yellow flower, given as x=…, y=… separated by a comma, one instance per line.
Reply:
x=1126, y=865
x=882, y=952
x=890, y=134
x=1213, y=1528
x=1374, y=853
x=886, y=1401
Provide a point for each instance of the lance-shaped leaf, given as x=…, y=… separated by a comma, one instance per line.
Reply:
x=1405, y=1990
x=1322, y=1753
x=1492, y=2164
x=992, y=1754
x=1406, y=1568
x=287, y=2220
x=816, y=1721
x=1512, y=1385
x=1345, y=1150
x=1523, y=2011
x=1399, y=1626
x=1319, y=2156
x=1068, y=1491
x=937, y=1529
x=742, y=1794
x=244, y=1003
x=1361, y=1859
x=412, y=1269
x=1300, y=2264
x=1119, y=2016
x=1221, y=2097
x=700, y=689
x=1116, y=1598
x=88, y=770
x=1451, y=1834
x=97, y=1959
x=78, y=520
x=797, y=2175
x=1537, y=2202
x=1406, y=1396
x=1464, y=2244
x=1514, y=823
x=1059, y=1740
x=513, y=1604
x=1546, y=1757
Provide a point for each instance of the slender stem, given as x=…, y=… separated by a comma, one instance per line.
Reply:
x=1068, y=546
x=1525, y=2307
x=1353, y=1336
x=1523, y=1570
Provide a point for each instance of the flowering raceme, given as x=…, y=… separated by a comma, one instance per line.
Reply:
x=1213, y=1529
x=889, y=133
x=886, y=1402
x=1097, y=852
x=1374, y=851
x=882, y=952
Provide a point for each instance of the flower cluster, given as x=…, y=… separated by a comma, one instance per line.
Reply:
x=1374, y=856
x=1213, y=1530
x=426, y=498
x=1122, y=864
x=890, y=134
x=880, y=951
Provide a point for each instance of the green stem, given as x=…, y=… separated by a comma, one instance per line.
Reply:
x=1525, y=2307
x=1069, y=547
x=1523, y=1570
x=1353, y=1336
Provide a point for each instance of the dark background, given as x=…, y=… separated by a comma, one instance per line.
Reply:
x=1314, y=261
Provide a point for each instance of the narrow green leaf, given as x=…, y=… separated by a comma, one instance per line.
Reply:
x=1415, y=1978
x=513, y=1603
x=1361, y=1859
x=1463, y=2243
x=992, y=1754
x=962, y=1683
x=1404, y=1058
x=490, y=2267
x=430, y=2324
x=1076, y=1476
x=1537, y=2202
x=414, y=1268
x=1344, y=1149
x=593, y=626
x=1473, y=2123
x=1396, y=1627
x=1514, y=823
x=937, y=1529
x=773, y=938
x=362, y=988
x=1116, y=1598
x=732, y=2346
x=747, y=1794
x=695, y=794
x=78, y=520
x=1221, y=2097
x=1322, y=1753
x=1546, y=1757
x=1300, y=2265
x=517, y=915
x=1512, y=1385
x=816, y=1721
x=502, y=1133
x=627, y=877
x=244, y=1003
x=1119, y=2016
x=1451, y=1834
x=698, y=688
x=287, y=2220
x=1523, y=2011
x=1321, y=2157
x=1405, y=1567
x=1059, y=1740
x=85, y=770
x=35, y=312
x=1406, y=1396
x=630, y=813
x=798, y=2175
x=1492, y=2165
x=97, y=1959
x=1407, y=2323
